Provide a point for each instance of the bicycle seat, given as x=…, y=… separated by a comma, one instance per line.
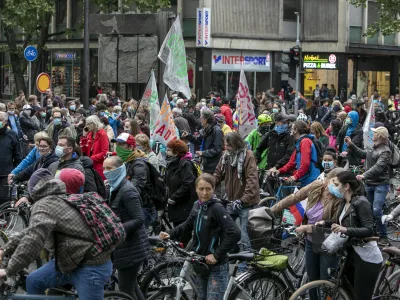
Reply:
x=242, y=256
x=392, y=251
x=265, y=194
x=155, y=240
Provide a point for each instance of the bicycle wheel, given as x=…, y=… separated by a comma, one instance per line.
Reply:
x=391, y=285
x=169, y=293
x=322, y=289
x=116, y=296
x=13, y=220
x=162, y=275
x=297, y=258
x=385, y=298
x=260, y=286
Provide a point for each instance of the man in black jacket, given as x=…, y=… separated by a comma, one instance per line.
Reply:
x=10, y=155
x=210, y=140
x=279, y=143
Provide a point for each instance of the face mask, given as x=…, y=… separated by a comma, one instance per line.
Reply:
x=101, y=114
x=127, y=130
x=11, y=112
x=72, y=107
x=275, y=110
x=281, y=128
x=49, y=106
x=328, y=165
x=115, y=177
x=334, y=190
x=263, y=129
x=123, y=153
x=27, y=112
x=335, y=108
x=347, y=122
x=59, y=151
x=57, y=121
x=43, y=114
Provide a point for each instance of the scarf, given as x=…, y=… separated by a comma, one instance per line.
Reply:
x=136, y=154
x=236, y=159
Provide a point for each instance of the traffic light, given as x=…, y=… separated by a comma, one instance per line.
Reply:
x=292, y=59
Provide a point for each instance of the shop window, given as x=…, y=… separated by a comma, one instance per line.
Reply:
x=312, y=77
x=369, y=81
x=65, y=73
x=355, y=34
x=218, y=81
x=289, y=8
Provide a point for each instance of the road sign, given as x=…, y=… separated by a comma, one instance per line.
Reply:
x=43, y=82
x=30, y=53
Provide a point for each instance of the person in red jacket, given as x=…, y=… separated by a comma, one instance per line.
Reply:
x=226, y=111
x=94, y=143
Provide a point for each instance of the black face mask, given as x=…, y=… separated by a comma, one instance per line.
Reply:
x=170, y=158
x=264, y=129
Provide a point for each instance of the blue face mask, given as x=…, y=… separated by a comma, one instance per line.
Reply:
x=101, y=114
x=115, y=177
x=57, y=121
x=72, y=107
x=328, y=165
x=281, y=128
x=347, y=122
x=334, y=190
x=275, y=110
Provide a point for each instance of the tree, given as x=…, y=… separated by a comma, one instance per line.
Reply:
x=27, y=22
x=389, y=21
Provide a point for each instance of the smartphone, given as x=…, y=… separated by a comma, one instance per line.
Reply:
x=86, y=129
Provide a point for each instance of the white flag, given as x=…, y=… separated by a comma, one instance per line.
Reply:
x=173, y=54
x=247, y=119
x=150, y=98
x=369, y=123
x=165, y=130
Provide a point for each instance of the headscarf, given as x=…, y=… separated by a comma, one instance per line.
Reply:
x=353, y=115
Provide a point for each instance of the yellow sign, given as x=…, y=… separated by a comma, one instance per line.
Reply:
x=43, y=82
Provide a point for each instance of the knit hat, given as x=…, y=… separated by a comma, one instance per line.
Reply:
x=37, y=176
x=74, y=180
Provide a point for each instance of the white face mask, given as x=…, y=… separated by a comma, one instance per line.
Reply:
x=27, y=112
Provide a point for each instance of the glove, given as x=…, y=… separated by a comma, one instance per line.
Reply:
x=171, y=202
x=386, y=219
x=237, y=205
x=273, y=172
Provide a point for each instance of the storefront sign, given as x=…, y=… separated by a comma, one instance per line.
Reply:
x=320, y=61
x=65, y=56
x=203, y=27
x=199, y=27
x=206, y=27
x=235, y=60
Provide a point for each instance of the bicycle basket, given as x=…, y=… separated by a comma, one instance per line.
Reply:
x=270, y=260
x=260, y=226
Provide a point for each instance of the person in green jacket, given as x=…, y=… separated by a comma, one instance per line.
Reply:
x=254, y=138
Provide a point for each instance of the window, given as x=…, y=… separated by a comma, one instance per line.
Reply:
x=289, y=8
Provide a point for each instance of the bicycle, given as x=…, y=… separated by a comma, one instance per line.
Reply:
x=338, y=288
x=259, y=282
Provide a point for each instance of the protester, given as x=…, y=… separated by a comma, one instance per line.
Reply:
x=28, y=126
x=13, y=119
x=68, y=158
x=143, y=144
x=58, y=126
x=319, y=132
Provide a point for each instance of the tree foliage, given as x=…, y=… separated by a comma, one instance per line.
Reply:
x=389, y=21
x=27, y=22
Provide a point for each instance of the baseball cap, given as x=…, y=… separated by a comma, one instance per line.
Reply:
x=27, y=106
x=125, y=138
x=381, y=131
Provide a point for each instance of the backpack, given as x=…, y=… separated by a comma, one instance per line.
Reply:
x=395, y=156
x=101, y=188
x=107, y=228
x=158, y=191
x=319, y=148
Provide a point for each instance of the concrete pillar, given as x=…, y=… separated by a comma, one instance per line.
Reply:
x=394, y=75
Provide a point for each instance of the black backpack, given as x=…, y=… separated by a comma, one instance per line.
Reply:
x=156, y=189
x=101, y=188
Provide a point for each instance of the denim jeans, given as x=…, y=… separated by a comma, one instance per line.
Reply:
x=243, y=215
x=150, y=216
x=89, y=281
x=212, y=287
x=376, y=195
x=317, y=265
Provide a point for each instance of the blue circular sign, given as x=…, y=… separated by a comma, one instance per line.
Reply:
x=30, y=53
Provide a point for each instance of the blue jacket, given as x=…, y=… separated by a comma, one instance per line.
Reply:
x=13, y=123
x=313, y=171
x=27, y=161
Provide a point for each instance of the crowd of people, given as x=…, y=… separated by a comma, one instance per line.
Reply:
x=61, y=148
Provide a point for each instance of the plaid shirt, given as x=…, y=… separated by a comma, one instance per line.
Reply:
x=51, y=214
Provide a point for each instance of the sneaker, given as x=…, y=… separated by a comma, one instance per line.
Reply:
x=383, y=241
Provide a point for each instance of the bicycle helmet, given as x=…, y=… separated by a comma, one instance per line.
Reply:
x=302, y=117
x=264, y=118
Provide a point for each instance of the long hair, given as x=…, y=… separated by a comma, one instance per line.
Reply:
x=235, y=140
x=355, y=185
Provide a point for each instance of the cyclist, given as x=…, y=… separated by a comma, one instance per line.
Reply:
x=215, y=233
x=303, y=158
x=376, y=174
x=51, y=214
x=355, y=219
x=254, y=138
x=321, y=205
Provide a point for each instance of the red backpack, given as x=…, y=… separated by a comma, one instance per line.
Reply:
x=107, y=228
